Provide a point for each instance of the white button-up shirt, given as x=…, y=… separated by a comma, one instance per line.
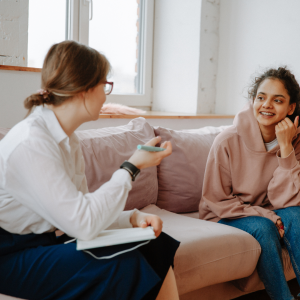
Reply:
x=43, y=185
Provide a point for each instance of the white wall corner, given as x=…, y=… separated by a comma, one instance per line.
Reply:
x=208, y=56
x=14, y=32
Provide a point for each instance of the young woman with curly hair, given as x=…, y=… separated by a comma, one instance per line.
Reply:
x=252, y=177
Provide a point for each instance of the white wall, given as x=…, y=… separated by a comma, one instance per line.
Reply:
x=15, y=87
x=254, y=35
x=209, y=51
x=185, y=55
x=13, y=32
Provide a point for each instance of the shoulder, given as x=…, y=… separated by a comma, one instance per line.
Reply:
x=226, y=138
x=31, y=132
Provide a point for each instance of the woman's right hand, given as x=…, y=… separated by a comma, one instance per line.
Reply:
x=280, y=228
x=143, y=159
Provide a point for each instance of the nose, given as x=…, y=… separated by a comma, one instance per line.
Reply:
x=267, y=104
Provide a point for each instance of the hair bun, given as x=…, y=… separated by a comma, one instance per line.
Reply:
x=34, y=100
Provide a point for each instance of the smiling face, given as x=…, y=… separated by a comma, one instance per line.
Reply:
x=272, y=104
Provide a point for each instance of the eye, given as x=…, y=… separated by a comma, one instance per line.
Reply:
x=278, y=100
x=260, y=98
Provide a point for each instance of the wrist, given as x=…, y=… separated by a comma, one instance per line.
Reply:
x=133, y=218
x=285, y=150
x=133, y=162
x=131, y=169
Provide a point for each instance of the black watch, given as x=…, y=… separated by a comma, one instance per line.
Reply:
x=132, y=169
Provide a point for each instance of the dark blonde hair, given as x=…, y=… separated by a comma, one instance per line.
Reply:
x=69, y=68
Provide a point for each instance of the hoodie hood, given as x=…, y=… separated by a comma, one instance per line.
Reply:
x=248, y=129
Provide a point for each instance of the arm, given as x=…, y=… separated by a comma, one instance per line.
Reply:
x=217, y=190
x=36, y=177
x=283, y=189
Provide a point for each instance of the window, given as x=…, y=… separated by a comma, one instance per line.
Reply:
x=42, y=31
x=120, y=29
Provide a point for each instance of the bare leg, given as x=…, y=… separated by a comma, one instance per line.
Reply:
x=168, y=289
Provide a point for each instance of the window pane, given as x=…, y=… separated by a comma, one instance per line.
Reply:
x=47, y=22
x=113, y=31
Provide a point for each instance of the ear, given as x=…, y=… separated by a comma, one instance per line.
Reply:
x=292, y=108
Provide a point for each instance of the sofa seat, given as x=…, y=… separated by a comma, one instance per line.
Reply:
x=209, y=253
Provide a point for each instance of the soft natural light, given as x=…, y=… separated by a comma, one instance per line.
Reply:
x=47, y=23
x=113, y=32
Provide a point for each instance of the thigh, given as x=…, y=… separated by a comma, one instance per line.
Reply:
x=259, y=227
x=290, y=217
x=62, y=272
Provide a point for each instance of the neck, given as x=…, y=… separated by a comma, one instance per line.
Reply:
x=267, y=132
x=69, y=115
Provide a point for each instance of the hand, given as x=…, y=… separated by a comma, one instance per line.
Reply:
x=285, y=131
x=140, y=219
x=280, y=228
x=143, y=159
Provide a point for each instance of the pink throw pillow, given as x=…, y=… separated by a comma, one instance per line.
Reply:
x=180, y=176
x=105, y=149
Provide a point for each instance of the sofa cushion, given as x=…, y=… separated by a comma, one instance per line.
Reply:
x=253, y=283
x=105, y=149
x=180, y=175
x=209, y=252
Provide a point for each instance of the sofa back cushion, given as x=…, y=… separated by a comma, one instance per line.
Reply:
x=105, y=149
x=180, y=176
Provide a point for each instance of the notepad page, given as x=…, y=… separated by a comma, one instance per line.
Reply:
x=117, y=237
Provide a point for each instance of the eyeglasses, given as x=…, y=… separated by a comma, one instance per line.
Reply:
x=108, y=87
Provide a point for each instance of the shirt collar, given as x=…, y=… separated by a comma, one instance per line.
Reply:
x=52, y=123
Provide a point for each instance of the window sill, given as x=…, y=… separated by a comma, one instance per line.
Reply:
x=166, y=115
x=17, y=68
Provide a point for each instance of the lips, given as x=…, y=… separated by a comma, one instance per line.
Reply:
x=266, y=113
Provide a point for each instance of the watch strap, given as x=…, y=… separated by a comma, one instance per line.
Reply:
x=131, y=169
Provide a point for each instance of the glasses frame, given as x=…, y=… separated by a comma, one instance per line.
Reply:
x=112, y=86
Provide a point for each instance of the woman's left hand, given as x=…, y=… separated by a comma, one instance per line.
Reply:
x=140, y=219
x=285, y=131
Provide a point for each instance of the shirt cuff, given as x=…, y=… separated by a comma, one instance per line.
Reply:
x=288, y=162
x=124, y=219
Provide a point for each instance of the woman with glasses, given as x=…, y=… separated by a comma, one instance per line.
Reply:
x=43, y=188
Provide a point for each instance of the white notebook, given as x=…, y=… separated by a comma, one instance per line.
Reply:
x=116, y=237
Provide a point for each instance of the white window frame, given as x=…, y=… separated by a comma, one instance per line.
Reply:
x=78, y=15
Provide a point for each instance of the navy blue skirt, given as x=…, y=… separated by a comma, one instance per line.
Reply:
x=40, y=266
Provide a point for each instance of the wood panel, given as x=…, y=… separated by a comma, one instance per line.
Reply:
x=16, y=68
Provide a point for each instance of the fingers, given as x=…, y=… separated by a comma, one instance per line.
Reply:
x=296, y=122
x=153, y=141
x=155, y=222
x=281, y=232
x=168, y=147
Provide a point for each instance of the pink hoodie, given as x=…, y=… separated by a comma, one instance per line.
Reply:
x=242, y=179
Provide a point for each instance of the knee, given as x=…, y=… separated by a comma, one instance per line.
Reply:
x=265, y=231
x=290, y=216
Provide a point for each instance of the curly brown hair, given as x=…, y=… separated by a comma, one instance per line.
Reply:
x=289, y=81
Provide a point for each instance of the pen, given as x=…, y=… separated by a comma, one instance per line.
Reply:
x=150, y=148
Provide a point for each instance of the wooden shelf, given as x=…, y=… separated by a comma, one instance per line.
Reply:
x=15, y=68
x=166, y=115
